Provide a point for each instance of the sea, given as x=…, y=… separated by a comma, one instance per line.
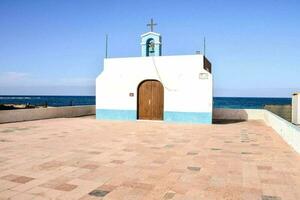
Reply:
x=219, y=102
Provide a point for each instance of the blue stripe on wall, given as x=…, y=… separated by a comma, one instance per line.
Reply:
x=188, y=117
x=111, y=114
x=169, y=116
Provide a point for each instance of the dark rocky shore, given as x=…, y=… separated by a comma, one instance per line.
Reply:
x=18, y=106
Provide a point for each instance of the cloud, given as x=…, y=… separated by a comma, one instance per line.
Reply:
x=77, y=82
x=255, y=92
x=19, y=83
x=25, y=79
x=47, y=90
x=13, y=78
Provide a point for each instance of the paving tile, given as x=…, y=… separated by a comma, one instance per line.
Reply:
x=265, y=197
x=95, y=152
x=191, y=168
x=90, y=166
x=117, y=161
x=246, y=153
x=50, y=165
x=5, y=185
x=7, y=194
x=107, y=187
x=120, y=193
x=17, y=179
x=260, y=167
x=23, y=196
x=177, y=170
x=99, y=193
x=169, y=195
x=53, y=183
x=9, y=177
x=169, y=146
x=7, y=131
x=53, y=194
x=192, y=153
x=251, y=193
x=22, y=179
x=216, y=149
x=90, y=197
x=128, y=150
x=40, y=191
x=272, y=181
x=65, y=187
x=140, y=185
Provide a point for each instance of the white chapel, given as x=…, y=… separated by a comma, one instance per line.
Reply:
x=155, y=87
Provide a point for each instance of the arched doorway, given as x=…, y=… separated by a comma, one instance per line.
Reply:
x=150, y=100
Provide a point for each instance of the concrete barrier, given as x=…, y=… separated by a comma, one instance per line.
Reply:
x=296, y=108
x=288, y=131
x=45, y=113
x=238, y=114
x=283, y=111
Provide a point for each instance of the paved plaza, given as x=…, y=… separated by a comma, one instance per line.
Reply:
x=82, y=158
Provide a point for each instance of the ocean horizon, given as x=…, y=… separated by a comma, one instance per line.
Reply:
x=218, y=102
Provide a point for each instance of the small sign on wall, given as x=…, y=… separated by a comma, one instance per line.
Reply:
x=203, y=76
x=131, y=94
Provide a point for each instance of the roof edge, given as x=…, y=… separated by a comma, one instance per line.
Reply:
x=148, y=33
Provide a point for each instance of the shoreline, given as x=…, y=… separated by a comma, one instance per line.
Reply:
x=19, y=106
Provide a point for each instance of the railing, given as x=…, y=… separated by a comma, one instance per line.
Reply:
x=45, y=113
x=283, y=111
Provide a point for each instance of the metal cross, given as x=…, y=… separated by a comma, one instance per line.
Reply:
x=152, y=24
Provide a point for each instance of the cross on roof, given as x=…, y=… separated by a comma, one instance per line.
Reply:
x=152, y=24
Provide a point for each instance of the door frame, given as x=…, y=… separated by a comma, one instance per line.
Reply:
x=138, y=95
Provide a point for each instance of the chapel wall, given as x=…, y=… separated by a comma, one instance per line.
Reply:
x=183, y=90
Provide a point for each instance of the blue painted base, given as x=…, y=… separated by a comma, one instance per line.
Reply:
x=188, y=117
x=169, y=116
x=110, y=114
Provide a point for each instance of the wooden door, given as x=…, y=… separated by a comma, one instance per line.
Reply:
x=150, y=100
x=157, y=100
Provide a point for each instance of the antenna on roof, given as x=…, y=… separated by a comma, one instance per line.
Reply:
x=106, y=45
x=204, y=46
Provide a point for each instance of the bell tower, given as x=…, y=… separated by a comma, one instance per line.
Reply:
x=151, y=42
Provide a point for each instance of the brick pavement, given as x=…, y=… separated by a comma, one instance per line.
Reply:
x=82, y=158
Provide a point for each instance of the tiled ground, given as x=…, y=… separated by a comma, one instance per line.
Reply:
x=82, y=158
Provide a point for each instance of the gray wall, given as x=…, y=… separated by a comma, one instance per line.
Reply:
x=45, y=113
x=284, y=111
x=288, y=131
x=238, y=114
x=76, y=111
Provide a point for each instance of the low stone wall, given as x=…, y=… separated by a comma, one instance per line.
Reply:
x=45, y=113
x=284, y=111
x=288, y=131
x=238, y=114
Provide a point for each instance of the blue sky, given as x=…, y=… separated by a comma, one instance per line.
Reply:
x=57, y=47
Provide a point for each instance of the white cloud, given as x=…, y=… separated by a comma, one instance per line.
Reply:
x=76, y=82
x=13, y=78
x=24, y=79
x=255, y=92
x=19, y=83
